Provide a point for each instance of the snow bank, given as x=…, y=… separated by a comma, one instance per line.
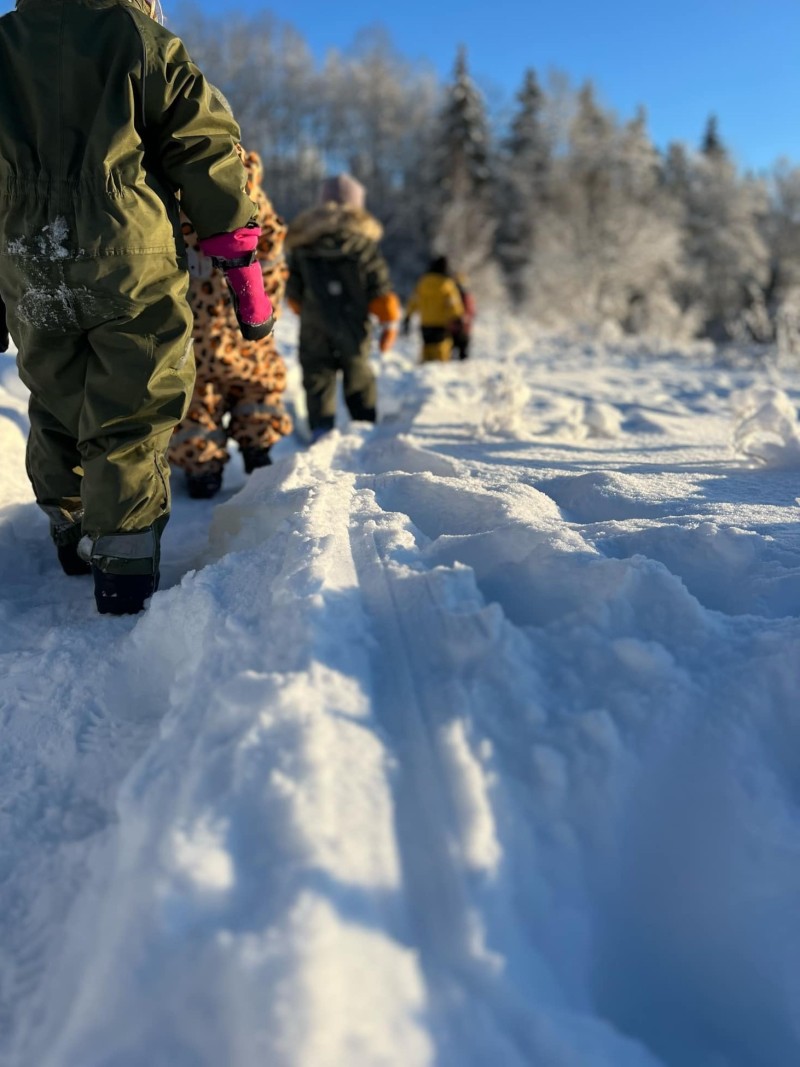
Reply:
x=469, y=738
x=767, y=429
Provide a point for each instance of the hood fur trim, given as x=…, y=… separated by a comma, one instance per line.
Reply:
x=328, y=219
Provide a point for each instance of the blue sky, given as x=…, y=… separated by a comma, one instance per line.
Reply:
x=682, y=60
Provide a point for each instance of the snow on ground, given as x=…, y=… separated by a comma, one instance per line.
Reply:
x=469, y=739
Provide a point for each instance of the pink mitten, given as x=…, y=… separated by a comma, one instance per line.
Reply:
x=235, y=254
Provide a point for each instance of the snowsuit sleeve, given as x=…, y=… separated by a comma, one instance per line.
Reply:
x=195, y=139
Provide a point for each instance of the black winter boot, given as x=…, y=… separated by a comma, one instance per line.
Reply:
x=255, y=458
x=71, y=562
x=122, y=594
x=204, y=485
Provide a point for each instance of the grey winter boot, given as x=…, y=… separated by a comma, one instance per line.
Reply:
x=125, y=567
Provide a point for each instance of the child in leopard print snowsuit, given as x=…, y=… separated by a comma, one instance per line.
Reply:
x=243, y=380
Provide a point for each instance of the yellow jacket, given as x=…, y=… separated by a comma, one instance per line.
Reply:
x=436, y=300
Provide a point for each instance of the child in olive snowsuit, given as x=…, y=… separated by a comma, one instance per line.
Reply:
x=337, y=279
x=104, y=122
x=243, y=380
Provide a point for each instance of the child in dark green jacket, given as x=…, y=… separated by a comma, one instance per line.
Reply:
x=337, y=280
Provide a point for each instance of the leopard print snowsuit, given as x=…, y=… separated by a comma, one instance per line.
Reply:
x=244, y=380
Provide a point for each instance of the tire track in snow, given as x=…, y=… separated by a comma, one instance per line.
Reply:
x=436, y=633
x=425, y=826
x=253, y=874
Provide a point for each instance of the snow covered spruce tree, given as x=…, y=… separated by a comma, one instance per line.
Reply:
x=607, y=253
x=649, y=264
x=461, y=213
x=727, y=255
x=677, y=171
x=522, y=186
x=782, y=235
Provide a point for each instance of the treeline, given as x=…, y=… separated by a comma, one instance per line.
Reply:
x=550, y=201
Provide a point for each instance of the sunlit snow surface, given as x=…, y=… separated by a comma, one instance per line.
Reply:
x=468, y=740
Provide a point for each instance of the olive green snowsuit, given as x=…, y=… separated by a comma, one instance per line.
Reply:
x=336, y=275
x=104, y=123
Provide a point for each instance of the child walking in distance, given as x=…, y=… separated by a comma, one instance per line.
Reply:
x=438, y=303
x=93, y=268
x=337, y=280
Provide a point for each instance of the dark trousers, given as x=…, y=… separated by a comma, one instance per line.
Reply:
x=321, y=369
x=461, y=342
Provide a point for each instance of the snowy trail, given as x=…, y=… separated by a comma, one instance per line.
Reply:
x=474, y=739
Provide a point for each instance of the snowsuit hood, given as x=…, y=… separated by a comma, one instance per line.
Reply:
x=348, y=226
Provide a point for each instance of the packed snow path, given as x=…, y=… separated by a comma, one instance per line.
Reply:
x=469, y=739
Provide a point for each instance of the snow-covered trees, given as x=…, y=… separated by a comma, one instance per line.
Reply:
x=583, y=220
x=727, y=255
x=607, y=252
x=459, y=197
x=522, y=185
x=781, y=233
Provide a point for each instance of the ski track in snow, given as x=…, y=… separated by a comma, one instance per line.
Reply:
x=466, y=739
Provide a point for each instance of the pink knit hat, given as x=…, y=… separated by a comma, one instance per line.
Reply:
x=343, y=189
